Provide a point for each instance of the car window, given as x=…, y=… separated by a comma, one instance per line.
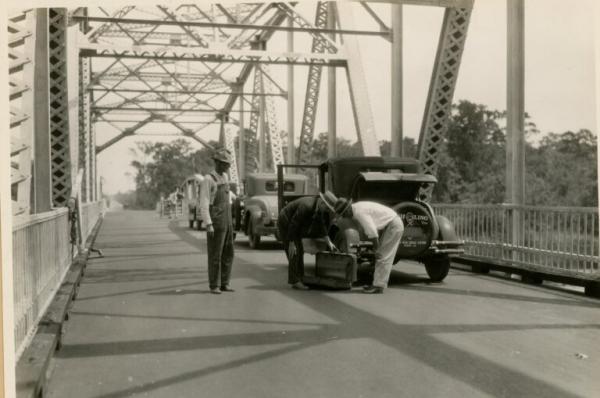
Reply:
x=271, y=186
x=288, y=186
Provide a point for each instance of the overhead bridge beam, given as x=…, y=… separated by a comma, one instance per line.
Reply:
x=207, y=55
x=240, y=26
x=145, y=109
x=129, y=90
x=434, y=3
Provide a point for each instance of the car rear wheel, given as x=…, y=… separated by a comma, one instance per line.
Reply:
x=253, y=238
x=437, y=268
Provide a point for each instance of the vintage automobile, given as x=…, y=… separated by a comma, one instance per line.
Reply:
x=256, y=212
x=394, y=182
x=190, y=189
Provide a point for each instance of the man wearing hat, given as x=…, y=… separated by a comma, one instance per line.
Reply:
x=306, y=217
x=382, y=226
x=215, y=210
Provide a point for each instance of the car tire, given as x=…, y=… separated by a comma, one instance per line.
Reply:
x=253, y=239
x=437, y=268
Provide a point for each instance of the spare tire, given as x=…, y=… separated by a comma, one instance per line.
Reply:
x=420, y=228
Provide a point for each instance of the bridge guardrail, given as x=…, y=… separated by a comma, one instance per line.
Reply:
x=166, y=208
x=557, y=239
x=42, y=254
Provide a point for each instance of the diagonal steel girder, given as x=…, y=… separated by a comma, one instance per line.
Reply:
x=357, y=85
x=275, y=20
x=251, y=133
x=94, y=34
x=313, y=86
x=441, y=89
x=274, y=137
x=125, y=133
x=201, y=42
x=171, y=17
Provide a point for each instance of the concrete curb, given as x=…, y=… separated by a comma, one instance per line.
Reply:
x=33, y=368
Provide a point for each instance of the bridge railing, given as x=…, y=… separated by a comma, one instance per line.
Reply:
x=42, y=254
x=166, y=208
x=556, y=239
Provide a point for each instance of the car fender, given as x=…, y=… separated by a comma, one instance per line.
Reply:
x=253, y=216
x=447, y=232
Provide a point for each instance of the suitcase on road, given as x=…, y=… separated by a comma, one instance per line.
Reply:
x=333, y=270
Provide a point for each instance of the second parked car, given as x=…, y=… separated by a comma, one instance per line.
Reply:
x=255, y=213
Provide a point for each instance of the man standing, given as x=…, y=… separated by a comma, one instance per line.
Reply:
x=306, y=217
x=215, y=209
x=382, y=226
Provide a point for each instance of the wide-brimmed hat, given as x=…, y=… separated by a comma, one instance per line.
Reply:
x=223, y=155
x=335, y=204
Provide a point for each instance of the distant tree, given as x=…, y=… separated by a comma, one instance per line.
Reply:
x=344, y=147
x=409, y=146
x=562, y=170
x=127, y=199
x=163, y=167
x=472, y=157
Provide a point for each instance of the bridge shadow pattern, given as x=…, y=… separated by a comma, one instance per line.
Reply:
x=351, y=323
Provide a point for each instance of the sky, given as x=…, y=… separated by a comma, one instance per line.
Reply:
x=560, y=82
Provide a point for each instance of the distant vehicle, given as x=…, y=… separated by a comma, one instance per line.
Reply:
x=394, y=182
x=255, y=213
x=191, y=189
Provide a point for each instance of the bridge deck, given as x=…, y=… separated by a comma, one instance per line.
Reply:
x=144, y=325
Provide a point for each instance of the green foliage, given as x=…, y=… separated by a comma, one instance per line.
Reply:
x=164, y=166
x=127, y=199
x=472, y=157
x=409, y=147
x=560, y=171
x=343, y=146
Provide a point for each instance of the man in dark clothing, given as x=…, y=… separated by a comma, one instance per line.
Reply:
x=215, y=208
x=306, y=217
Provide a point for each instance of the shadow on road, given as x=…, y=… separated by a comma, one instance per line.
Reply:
x=417, y=341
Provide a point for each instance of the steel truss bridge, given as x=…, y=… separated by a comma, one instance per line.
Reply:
x=191, y=66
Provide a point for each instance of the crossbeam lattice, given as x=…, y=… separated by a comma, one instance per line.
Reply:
x=443, y=83
x=59, y=116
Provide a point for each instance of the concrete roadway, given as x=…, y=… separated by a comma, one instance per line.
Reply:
x=144, y=324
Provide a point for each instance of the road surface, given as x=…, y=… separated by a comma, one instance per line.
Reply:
x=144, y=324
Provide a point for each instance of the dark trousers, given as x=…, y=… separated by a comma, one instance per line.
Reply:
x=220, y=256
x=296, y=262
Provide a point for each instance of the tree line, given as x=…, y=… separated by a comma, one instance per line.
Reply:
x=561, y=169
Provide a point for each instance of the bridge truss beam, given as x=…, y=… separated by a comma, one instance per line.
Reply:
x=443, y=82
x=59, y=115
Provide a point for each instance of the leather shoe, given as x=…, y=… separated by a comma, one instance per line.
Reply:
x=215, y=290
x=227, y=288
x=300, y=286
x=373, y=289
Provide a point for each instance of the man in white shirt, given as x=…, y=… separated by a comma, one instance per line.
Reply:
x=383, y=227
x=215, y=210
